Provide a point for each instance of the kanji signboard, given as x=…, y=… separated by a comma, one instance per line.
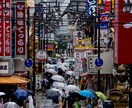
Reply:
x=20, y=33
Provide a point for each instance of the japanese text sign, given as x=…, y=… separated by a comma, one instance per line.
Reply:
x=20, y=33
x=8, y=29
x=1, y=30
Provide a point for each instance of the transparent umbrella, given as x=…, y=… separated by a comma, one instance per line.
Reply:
x=58, y=85
x=72, y=88
x=11, y=105
x=58, y=78
x=70, y=73
x=51, y=71
x=2, y=93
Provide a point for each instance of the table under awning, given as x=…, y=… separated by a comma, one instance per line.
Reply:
x=13, y=80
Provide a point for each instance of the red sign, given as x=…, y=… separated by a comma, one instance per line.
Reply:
x=20, y=33
x=107, y=7
x=8, y=29
x=1, y=30
x=123, y=37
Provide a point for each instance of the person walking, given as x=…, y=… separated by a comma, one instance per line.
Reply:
x=70, y=100
x=63, y=99
x=77, y=104
x=100, y=103
x=89, y=105
x=44, y=84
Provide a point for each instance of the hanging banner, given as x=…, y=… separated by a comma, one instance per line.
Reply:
x=91, y=7
x=1, y=30
x=8, y=29
x=123, y=31
x=20, y=24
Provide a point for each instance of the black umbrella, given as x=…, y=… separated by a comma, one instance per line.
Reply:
x=52, y=94
x=77, y=95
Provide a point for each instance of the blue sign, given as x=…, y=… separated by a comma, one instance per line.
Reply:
x=28, y=63
x=98, y=62
x=104, y=21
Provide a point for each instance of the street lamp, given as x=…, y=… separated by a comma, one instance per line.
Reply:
x=100, y=8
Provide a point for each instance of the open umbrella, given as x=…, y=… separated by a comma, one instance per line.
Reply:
x=70, y=72
x=62, y=67
x=50, y=94
x=72, y=88
x=58, y=85
x=58, y=78
x=10, y=105
x=86, y=93
x=80, y=97
x=51, y=71
x=21, y=94
x=101, y=95
x=55, y=89
x=2, y=94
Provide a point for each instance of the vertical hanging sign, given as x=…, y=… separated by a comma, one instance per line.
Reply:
x=20, y=24
x=1, y=30
x=8, y=29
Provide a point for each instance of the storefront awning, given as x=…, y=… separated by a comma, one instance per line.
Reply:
x=13, y=80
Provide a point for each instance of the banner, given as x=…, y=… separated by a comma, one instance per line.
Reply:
x=1, y=30
x=20, y=24
x=8, y=29
x=123, y=32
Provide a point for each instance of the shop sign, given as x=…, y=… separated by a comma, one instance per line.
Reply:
x=91, y=7
x=41, y=55
x=1, y=30
x=5, y=30
x=4, y=67
x=20, y=33
x=123, y=31
x=8, y=29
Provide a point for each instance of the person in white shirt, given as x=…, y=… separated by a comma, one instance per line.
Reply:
x=100, y=103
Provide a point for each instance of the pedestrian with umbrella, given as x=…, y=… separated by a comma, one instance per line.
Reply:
x=21, y=95
x=87, y=93
x=10, y=105
x=56, y=98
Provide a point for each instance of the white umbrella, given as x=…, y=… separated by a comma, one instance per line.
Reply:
x=2, y=94
x=63, y=68
x=58, y=78
x=55, y=89
x=51, y=71
x=11, y=105
x=72, y=88
x=58, y=85
x=70, y=72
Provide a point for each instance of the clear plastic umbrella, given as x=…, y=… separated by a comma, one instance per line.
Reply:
x=58, y=78
x=70, y=73
x=63, y=68
x=72, y=88
x=11, y=105
x=51, y=71
x=58, y=85
x=2, y=94
x=55, y=89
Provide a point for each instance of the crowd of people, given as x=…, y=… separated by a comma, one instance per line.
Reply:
x=68, y=101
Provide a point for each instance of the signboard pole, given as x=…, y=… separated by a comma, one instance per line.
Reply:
x=98, y=48
x=28, y=73
x=34, y=74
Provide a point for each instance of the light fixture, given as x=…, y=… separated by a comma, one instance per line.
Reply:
x=127, y=6
x=5, y=10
